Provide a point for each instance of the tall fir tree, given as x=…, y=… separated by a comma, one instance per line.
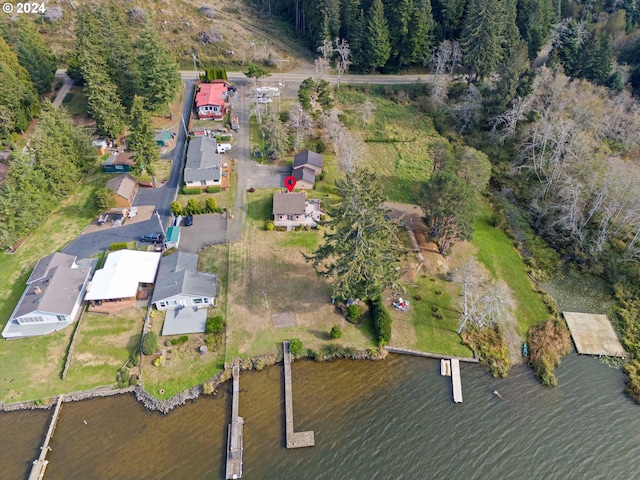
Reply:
x=103, y=101
x=34, y=56
x=18, y=94
x=159, y=76
x=141, y=139
x=377, y=45
x=481, y=39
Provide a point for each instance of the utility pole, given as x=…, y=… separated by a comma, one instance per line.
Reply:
x=266, y=302
x=195, y=68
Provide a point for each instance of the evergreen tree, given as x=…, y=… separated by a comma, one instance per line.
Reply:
x=103, y=102
x=534, y=19
x=159, y=76
x=34, y=56
x=451, y=14
x=141, y=139
x=421, y=32
x=17, y=92
x=481, y=40
x=448, y=204
x=377, y=45
x=361, y=253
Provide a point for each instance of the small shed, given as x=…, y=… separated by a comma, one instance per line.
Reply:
x=119, y=163
x=305, y=177
x=173, y=237
x=124, y=188
x=163, y=138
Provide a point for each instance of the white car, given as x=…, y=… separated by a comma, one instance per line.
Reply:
x=223, y=147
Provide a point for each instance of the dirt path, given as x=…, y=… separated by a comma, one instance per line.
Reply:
x=66, y=86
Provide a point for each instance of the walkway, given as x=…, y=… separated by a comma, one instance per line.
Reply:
x=456, y=381
x=294, y=439
x=235, y=432
x=40, y=464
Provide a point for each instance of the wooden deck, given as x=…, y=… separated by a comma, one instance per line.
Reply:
x=235, y=431
x=456, y=381
x=40, y=464
x=294, y=439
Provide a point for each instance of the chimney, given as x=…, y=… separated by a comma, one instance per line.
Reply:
x=37, y=290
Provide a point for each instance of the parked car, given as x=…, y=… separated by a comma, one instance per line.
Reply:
x=188, y=221
x=102, y=219
x=223, y=147
x=152, y=237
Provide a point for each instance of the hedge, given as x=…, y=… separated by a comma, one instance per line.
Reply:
x=213, y=189
x=118, y=246
x=381, y=321
x=191, y=191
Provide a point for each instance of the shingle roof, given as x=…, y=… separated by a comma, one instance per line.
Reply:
x=306, y=174
x=49, y=262
x=289, y=203
x=308, y=157
x=178, y=275
x=124, y=185
x=203, y=163
x=210, y=94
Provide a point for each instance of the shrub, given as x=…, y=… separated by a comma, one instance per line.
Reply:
x=193, y=207
x=104, y=199
x=381, y=321
x=214, y=325
x=213, y=189
x=150, y=343
x=180, y=340
x=191, y=191
x=176, y=208
x=353, y=313
x=295, y=347
x=336, y=332
x=548, y=341
x=491, y=347
x=118, y=246
x=417, y=297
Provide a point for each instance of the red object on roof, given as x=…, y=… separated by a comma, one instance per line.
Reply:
x=210, y=94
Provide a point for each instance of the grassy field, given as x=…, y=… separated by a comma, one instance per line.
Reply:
x=497, y=254
x=399, y=142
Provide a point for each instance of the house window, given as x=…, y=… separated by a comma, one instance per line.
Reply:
x=197, y=301
x=205, y=300
x=31, y=319
x=203, y=182
x=61, y=318
x=172, y=303
x=119, y=167
x=162, y=304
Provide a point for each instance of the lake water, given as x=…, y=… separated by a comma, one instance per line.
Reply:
x=372, y=420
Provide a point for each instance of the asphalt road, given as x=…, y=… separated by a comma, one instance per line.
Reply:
x=87, y=245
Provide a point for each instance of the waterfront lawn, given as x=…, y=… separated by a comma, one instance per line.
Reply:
x=102, y=346
x=497, y=254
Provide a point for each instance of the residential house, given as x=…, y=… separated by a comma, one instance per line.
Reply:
x=210, y=98
x=184, y=293
x=163, y=138
x=53, y=297
x=305, y=177
x=124, y=188
x=119, y=163
x=309, y=159
x=294, y=210
x=125, y=273
x=203, y=166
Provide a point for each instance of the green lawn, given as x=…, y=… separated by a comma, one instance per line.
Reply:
x=76, y=103
x=497, y=254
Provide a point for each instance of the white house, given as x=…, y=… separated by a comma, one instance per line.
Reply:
x=203, y=166
x=53, y=297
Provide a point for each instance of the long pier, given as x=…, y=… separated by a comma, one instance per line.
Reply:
x=40, y=464
x=294, y=439
x=236, y=427
x=456, y=381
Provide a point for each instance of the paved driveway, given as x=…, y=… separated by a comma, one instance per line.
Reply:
x=265, y=176
x=206, y=230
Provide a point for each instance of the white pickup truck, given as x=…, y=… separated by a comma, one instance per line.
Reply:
x=223, y=147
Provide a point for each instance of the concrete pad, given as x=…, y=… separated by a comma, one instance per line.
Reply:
x=209, y=229
x=281, y=320
x=593, y=334
x=184, y=320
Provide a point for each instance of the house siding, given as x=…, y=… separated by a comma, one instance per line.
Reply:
x=185, y=301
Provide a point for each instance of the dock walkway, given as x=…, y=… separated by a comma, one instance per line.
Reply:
x=40, y=464
x=294, y=439
x=456, y=381
x=235, y=431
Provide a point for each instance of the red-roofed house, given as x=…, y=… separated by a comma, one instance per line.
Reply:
x=210, y=100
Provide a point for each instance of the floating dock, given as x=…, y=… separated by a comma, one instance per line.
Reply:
x=294, y=439
x=445, y=368
x=456, y=381
x=40, y=464
x=236, y=427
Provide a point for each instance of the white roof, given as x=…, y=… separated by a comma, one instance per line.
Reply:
x=121, y=274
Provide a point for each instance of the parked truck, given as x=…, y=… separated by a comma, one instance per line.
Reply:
x=235, y=125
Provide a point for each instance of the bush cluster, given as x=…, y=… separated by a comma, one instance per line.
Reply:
x=213, y=189
x=336, y=332
x=295, y=347
x=182, y=339
x=214, y=325
x=490, y=346
x=548, y=341
x=191, y=191
x=381, y=321
x=150, y=343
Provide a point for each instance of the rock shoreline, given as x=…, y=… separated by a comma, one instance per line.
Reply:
x=191, y=394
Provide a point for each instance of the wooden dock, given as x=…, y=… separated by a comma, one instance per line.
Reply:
x=235, y=430
x=294, y=439
x=40, y=464
x=445, y=368
x=456, y=381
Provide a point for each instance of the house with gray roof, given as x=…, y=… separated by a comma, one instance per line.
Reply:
x=184, y=292
x=292, y=209
x=305, y=177
x=53, y=297
x=203, y=167
x=309, y=159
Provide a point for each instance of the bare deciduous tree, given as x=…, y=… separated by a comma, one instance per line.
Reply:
x=321, y=65
x=301, y=124
x=343, y=62
x=366, y=110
